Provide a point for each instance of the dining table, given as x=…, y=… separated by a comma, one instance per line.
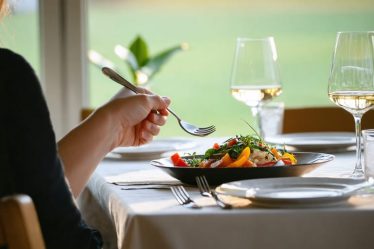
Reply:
x=130, y=203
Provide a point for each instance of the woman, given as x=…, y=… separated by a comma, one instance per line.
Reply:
x=31, y=163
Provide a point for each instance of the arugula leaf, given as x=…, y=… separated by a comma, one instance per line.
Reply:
x=194, y=161
x=209, y=153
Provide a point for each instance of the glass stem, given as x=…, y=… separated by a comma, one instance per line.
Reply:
x=255, y=112
x=358, y=172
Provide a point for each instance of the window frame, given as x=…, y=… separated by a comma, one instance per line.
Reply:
x=63, y=72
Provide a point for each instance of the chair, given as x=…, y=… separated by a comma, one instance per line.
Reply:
x=316, y=119
x=19, y=225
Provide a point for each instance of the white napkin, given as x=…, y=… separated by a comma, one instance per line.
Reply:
x=143, y=177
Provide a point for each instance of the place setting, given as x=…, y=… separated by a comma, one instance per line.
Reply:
x=265, y=167
x=153, y=150
x=316, y=141
x=271, y=175
x=251, y=178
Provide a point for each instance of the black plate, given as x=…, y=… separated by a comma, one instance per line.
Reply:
x=306, y=162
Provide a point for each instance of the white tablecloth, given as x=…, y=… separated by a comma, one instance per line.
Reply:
x=151, y=218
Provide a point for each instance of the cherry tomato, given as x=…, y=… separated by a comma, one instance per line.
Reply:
x=232, y=142
x=216, y=146
x=178, y=161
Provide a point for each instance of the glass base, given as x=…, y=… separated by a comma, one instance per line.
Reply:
x=358, y=174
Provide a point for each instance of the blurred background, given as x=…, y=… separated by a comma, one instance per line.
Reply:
x=197, y=80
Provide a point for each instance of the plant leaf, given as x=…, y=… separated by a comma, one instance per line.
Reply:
x=128, y=57
x=140, y=49
x=155, y=63
x=99, y=60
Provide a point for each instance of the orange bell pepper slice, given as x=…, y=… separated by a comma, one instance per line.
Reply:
x=248, y=164
x=290, y=157
x=275, y=152
x=242, y=158
x=226, y=160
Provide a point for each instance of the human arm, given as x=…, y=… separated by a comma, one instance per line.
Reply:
x=123, y=121
x=33, y=167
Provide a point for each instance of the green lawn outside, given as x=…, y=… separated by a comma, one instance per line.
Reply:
x=198, y=80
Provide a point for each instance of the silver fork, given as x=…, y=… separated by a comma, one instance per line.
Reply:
x=206, y=191
x=183, y=197
x=187, y=127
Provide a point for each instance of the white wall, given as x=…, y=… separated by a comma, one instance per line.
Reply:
x=63, y=60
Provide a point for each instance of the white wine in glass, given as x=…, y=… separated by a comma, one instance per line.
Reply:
x=351, y=81
x=255, y=73
x=253, y=95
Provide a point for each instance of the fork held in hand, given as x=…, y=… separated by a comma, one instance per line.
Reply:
x=206, y=191
x=183, y=197
x=187, y=127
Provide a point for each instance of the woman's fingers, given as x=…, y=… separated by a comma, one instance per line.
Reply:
x=151, y=128
x=144, y=90
x=163, y=112
x=158, y=103
x=156, y=118
x=146, y=137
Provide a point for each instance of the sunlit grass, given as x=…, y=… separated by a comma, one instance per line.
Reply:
x=198, y=80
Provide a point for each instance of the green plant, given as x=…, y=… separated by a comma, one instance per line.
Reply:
x=143, y=67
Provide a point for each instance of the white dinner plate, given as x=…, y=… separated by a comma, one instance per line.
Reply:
x=290, y=192
x=315, y=141
x=154, y=149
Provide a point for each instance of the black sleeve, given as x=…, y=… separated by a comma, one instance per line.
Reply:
x=33, y=162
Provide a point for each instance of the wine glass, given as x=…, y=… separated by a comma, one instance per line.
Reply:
x=351, y=81
x=255, y=73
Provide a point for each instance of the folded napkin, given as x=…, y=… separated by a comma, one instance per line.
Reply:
x=142, y=177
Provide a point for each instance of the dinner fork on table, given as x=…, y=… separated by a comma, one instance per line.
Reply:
x=187, y=127
x=206, y=191
x=183, y=197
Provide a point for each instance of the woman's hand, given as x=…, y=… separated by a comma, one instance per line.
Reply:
x=126, y=120
x=139, y=118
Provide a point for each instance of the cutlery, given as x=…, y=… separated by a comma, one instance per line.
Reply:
x=206, y=191
x=183, y=197
x=322, y=158
x=166, y=184
x=144, y=187
x=187, y=127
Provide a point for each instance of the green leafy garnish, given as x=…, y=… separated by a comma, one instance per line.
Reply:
x=194, y=161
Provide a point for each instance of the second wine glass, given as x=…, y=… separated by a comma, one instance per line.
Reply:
x=351, y=82
x=255, y=73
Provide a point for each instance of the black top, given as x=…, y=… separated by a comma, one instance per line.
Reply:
x=29, y=161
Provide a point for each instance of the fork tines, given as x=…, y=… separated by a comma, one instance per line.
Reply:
x=203, y=185
x=209, y=129
x=206, y=191
x=204, y=131
x=189, y=128
x=183, y=197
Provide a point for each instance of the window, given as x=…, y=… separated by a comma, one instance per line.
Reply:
x=20, y=31
x=198, y=80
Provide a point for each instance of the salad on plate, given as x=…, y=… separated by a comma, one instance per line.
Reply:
x=237, y=152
